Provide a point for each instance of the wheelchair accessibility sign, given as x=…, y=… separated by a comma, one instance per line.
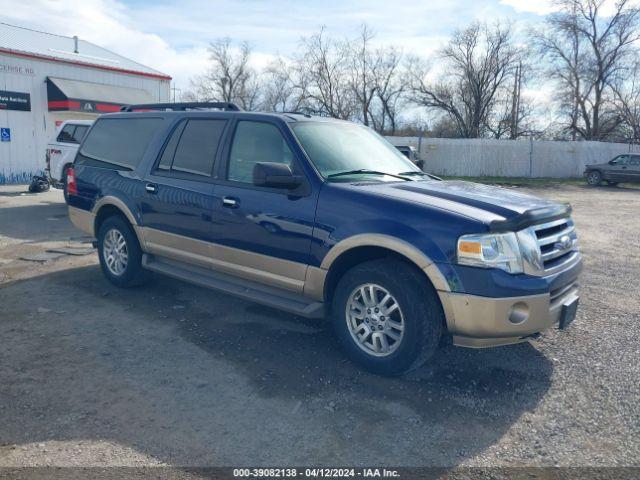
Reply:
x=5, y=134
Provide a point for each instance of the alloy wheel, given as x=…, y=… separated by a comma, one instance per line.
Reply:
x=115, y=252
x=375, y=320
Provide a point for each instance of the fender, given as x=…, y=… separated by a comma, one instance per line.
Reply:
x=116, y=202
x=315, y=282
x=120, y=205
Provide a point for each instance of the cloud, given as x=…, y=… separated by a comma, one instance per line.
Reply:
x=173, y=36
x=109, y=24
x=539, y=7
x=544, y=7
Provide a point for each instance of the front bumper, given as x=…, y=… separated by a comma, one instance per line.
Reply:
x=476, y=321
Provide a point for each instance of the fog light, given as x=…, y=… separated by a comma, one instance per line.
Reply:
x=519, y=313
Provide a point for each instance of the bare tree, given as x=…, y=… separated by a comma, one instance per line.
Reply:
x=391, y=87
x=627, y=100
x=327, y=63
x=587, y=51
x=230, y=77
x=364, y=65
x=285, y=86
x=479, y=60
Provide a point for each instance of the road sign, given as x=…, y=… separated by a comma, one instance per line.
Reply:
x=5, y=134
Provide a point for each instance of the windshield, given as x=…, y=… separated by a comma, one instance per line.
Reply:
x=336, y=148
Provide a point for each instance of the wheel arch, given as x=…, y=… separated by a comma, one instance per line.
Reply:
x=109, y=206
x=361, y=248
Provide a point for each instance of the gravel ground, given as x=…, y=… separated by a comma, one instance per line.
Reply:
x=172, y=374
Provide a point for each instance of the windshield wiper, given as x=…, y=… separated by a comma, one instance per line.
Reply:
x=422, y=174
x=364, y=171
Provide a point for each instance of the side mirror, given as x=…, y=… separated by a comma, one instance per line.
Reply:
x=275, y=175
x=613, y=162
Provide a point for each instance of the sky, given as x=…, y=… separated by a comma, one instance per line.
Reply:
x=172, y=36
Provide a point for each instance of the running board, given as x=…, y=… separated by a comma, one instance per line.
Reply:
x=256, y=292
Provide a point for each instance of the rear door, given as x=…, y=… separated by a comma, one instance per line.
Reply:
x=178, y=200
x=262, y=234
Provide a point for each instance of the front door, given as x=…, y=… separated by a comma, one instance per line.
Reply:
x=618, y=171
x=262, y=234
x=178, y=202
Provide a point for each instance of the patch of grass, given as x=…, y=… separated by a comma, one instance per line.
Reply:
x=522, y=181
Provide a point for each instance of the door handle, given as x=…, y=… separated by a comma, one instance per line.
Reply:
x=229, y=202
x=151, y=188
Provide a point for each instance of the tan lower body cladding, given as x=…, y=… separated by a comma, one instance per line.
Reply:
x=473, y=321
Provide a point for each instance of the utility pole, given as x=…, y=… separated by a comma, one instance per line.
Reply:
x=515, y=103
x=576, y=79
x=175, y=89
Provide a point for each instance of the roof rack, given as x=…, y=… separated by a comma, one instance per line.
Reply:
x=181, y=107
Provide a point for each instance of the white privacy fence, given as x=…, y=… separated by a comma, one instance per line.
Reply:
x=473, y=157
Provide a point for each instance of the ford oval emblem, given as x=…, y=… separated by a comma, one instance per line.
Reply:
x=564, y=243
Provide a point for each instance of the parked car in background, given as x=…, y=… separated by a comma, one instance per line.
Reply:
x=325, y=219
x=411, y=153
x=62, y=150
x=623, y=168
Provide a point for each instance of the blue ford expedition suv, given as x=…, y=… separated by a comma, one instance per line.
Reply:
x=325, y=219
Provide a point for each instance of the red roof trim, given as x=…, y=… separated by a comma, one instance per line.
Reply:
x=84, y=64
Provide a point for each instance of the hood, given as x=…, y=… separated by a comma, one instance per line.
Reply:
x=594, y=165
x=501, y=208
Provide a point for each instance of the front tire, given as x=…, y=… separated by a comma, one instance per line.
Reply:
x=387, y=316
x=120, y=253
x=594, y=178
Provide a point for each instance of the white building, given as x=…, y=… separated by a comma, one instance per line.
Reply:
x=45, y=79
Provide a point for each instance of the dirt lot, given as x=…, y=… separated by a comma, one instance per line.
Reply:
x=172, y=374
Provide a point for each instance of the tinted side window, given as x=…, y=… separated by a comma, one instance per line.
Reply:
x=635, y=160
x=80, y=132
x=256, y=142
x=66, y=134
x=197, y=147
x=622, y=160
x=118, y=142
x=170, y=149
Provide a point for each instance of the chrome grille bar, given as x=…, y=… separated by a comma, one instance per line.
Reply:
x=554, y=237
x=553, y=251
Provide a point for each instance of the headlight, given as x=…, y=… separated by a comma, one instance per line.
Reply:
x=492, y=250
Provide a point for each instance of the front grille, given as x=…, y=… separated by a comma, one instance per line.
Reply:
x=558, y=243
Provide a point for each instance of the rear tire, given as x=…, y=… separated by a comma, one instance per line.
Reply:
x=412, y=329
x=120, y=253
x=594, y=178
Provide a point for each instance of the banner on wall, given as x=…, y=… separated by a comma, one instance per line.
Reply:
x=15, y=101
